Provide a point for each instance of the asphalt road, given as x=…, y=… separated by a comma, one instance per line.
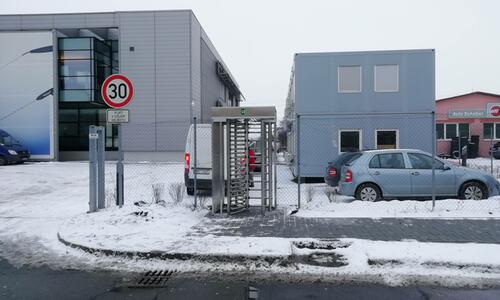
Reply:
x=45, y=283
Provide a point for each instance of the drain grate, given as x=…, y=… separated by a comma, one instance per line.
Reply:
x=154, y=279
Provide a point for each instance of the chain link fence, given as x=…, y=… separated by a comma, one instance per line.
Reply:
x=317, y=139
x=183, y=177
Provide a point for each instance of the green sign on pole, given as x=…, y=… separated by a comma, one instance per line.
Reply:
x=243, y=111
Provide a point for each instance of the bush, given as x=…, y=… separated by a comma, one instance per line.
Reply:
x=176, y=192
x=158, y=189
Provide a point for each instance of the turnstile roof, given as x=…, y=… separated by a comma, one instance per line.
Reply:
x=221, y=114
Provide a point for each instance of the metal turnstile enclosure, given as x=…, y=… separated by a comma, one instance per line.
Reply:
x=236, y=183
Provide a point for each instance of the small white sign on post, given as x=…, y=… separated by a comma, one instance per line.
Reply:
x=117, y=116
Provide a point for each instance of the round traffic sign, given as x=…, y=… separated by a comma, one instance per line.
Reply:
x=117, y=91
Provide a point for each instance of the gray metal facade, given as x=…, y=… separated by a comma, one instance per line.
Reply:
x=165, y=66
x=314, y=95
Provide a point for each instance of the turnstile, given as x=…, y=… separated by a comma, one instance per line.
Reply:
x=243, y=158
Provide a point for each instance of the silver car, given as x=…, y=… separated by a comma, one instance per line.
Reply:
x=407, y=173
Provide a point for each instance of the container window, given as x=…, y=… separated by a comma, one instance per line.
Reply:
x=349, y=79
x=386, y=78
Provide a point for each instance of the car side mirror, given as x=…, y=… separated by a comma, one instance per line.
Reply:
x=446, y=168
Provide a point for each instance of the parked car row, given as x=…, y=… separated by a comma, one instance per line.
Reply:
x=406, y=173
x=11, y=150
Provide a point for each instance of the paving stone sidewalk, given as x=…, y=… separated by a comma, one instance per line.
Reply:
x=277, y=224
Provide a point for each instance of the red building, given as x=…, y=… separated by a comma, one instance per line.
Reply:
x=475, y=116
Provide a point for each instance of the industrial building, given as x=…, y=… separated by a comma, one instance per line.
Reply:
x=356, y=101
x=474, y=117
x=52, y=67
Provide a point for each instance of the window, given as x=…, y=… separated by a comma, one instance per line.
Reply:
x=350, y=140
x=422, y=161
x=84, y=63
x=74, y=122
x=440, y=131
x=387, y=161
x=386, y=78
x=449, y=131
x=386, y=139
x=491, y=130
x=349, y=79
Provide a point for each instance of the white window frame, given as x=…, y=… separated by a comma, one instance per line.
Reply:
x=494, y=131
x=456, y=128
x=388, y=129
x=360, y=139
x=375, y=79
x=360, y=80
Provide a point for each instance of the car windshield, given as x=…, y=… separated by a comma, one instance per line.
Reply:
x=6, y=140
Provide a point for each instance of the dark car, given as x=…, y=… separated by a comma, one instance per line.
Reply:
x=332, y=175
x=11, y=151
x=495, y=150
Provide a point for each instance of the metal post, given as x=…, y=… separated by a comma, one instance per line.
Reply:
x=491, y=150
x=101, y=201
x=119, y=170
x=433, y=117
x=228, y=165
x=195, y=170
x=297, y=155
x=92, y=168
x=263, y=168
x=459, y=149
x=275, y=160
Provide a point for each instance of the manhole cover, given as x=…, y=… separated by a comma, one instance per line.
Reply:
x=153, y=279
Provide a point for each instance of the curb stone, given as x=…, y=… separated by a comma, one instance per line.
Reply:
x=211, y=258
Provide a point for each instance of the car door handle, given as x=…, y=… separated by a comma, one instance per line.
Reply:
x=415, y=173
x=376, y=173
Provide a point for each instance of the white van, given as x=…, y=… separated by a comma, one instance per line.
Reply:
x=203, y=158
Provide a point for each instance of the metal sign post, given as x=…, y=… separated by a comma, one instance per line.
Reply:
x=96, y=168
x=117, y=91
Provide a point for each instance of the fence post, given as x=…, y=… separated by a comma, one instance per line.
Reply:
x=491, y=150
x=120, y=170
x=297, y=156
x=195, y=164
x=433, y=117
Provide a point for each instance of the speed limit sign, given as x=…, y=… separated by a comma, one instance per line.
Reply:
x=117, y=91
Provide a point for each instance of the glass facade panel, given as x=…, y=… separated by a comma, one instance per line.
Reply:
x=75, y=83
x=88, y=62
x=84, y=64
x=76, y=54
x=68, y=129
x=76, y=95
x=68, y=115
x=75, y=68
x=75, y=43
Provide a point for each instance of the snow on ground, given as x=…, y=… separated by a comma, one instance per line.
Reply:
x=40, y=199
x=319, y=201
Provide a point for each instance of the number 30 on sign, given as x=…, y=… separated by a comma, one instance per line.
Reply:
x=117, y=91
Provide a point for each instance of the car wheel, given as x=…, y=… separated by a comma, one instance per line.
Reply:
x=473, y=191
x=368, y=192
x=190, y=191
x=3, y=162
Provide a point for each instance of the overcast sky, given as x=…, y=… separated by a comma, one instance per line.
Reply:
x=257, y=38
